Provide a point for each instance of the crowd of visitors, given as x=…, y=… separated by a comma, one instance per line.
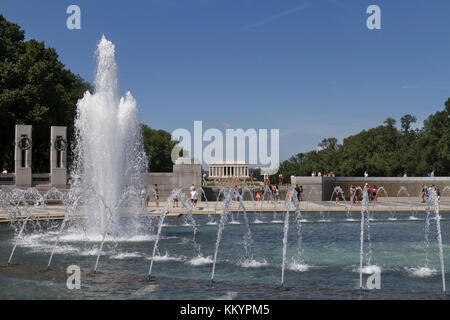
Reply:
x=319, y=174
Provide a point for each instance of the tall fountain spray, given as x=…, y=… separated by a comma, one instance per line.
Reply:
x=109, y=154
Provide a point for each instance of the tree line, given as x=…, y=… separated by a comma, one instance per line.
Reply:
x=382, y=151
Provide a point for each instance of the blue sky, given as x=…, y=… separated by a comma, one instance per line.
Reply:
x=310, y=68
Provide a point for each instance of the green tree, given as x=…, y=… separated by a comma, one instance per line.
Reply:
x=406, y=121
x=390, y=122
x=328, y=144
x=158, y=146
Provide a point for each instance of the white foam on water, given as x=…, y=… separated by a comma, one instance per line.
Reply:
x=234, y=222
x=276, y=221
x=421, y=272
x=77, y=237
x=392, y=219
x=413, y=218
x=230, y=295
x=94, y=252
x=126, y=255
x=369, y=269
x=145, y=290
x=49, y=248
x=298, y=267
x=257, y=221
x=200, y=260
x=212, y=223
x=253, y=264
x=166, y=257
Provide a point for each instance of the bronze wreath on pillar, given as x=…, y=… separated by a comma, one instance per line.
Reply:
x=60, y=144
x=24, y=143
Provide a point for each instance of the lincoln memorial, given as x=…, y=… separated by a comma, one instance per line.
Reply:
x=227, y=169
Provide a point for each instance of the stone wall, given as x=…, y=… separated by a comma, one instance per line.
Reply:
x=392, y=185
x=312, y=187
x=184, y=175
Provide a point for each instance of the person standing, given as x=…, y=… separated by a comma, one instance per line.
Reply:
x=156, y=195
x=423, y=192
x=4, y=171
x=336, y=195
x=194, y=197
x=144, y=197
x=297, y=189
x=175, y=202
x=277, y=193
x=366, y=174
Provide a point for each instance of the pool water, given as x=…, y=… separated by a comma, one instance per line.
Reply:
x=327, y=269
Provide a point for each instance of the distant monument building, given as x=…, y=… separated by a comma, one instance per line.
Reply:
x=228, y=169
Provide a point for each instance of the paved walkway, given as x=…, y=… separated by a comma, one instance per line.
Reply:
x=56, y=212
